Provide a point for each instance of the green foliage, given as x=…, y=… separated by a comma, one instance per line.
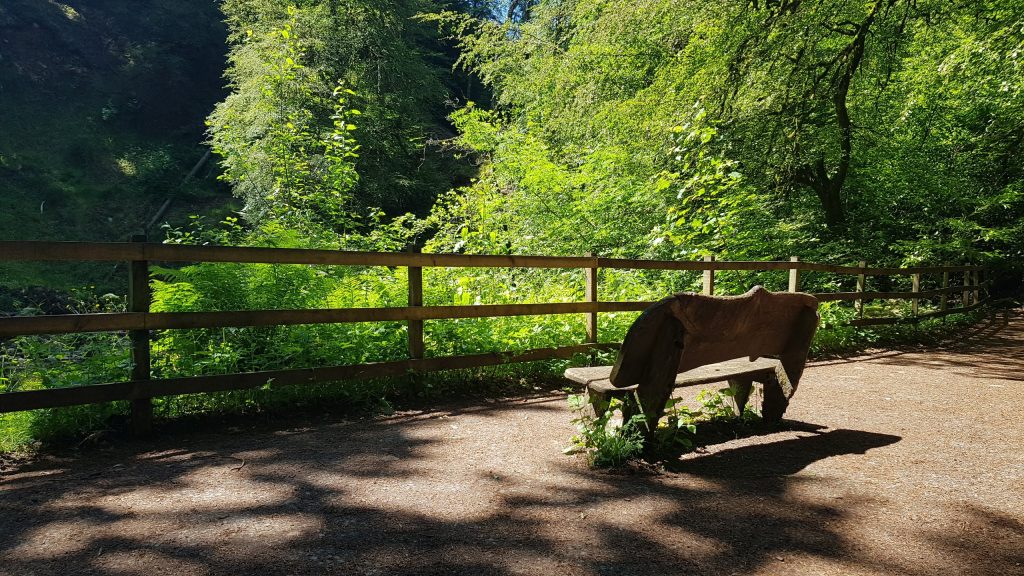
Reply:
x=605, y=443
x=608, y=442
x=838, y=131
x=101, y=116
x=285, y=59
x=284, y=136
x=835, y=338
x=613, y=197
x=44, y=362
x=949, y=165
x=217, y=286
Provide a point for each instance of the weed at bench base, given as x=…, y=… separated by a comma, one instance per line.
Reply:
x=609, y=443
x=605, y=442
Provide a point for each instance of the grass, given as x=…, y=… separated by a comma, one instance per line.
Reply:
x=608, y=442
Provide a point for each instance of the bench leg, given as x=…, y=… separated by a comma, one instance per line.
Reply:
x=740, y=393
x=630, y=407
x=775, y=402
x=599, y=402
x=650, y=402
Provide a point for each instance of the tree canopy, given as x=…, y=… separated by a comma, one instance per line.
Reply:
x=885, y=130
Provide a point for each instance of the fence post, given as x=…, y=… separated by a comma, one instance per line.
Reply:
x=138, y=301
x=944, y=297
x=709, y=277
x=915, y=288
x=977, y=287
x=966, y=301
x=794, y=275
x=861, y=282
x=415, y=299
x=591, y=289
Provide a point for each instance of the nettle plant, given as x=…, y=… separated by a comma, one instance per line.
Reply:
x=607, y=441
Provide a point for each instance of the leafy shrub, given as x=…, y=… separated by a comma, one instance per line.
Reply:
x=607, y=442
x=60, y=361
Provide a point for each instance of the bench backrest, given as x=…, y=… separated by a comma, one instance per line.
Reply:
x=688, y=330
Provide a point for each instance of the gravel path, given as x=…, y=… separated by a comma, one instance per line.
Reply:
x=896, y=463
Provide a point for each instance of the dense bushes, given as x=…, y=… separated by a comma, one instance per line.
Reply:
x=49, y=362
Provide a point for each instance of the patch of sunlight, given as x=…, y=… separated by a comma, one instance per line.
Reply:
x=51, y=539
x=217, y=495
x=114, y=561
x=27, y=382
x=127, y=167
x=268, y=527
x=69, y=12
x=15, y=430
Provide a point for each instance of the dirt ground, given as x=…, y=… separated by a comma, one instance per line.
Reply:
x=904, y=463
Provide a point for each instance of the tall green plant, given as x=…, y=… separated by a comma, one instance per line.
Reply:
x=284, y=61
x=285, y=137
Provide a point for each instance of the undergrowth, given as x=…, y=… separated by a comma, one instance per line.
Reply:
x=609, y=442
x=38, y=362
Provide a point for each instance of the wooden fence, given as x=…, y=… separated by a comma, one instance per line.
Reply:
x=138, y=320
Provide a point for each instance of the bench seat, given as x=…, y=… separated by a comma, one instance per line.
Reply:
x=739, y=373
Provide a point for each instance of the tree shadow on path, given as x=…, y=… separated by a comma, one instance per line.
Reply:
x=993, y=348
x=433, y=494
x=782, y=458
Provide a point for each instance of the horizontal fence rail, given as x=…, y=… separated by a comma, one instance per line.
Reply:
x=138, y=321
x=141, y=390
x=125, y=252
x=107, y=322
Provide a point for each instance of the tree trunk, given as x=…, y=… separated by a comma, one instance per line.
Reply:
x=829, y=189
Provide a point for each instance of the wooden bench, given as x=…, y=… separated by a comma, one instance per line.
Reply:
x=740, y=373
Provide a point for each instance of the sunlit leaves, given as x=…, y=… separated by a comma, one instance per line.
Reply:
x=596, y=143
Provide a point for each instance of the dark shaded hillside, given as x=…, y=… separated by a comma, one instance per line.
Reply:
x=101, y=107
